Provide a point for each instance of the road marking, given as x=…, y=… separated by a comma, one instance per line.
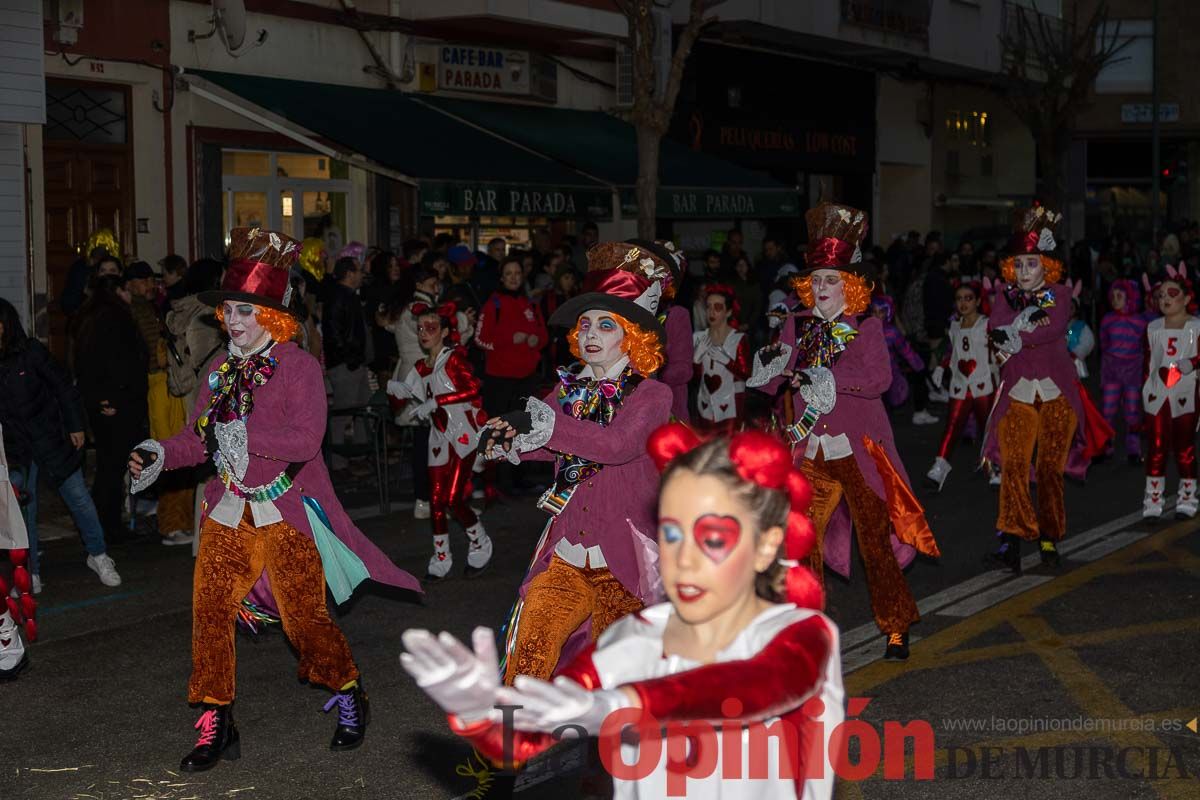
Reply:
x=1109, y=545
x=869, y=653
x=973, y=605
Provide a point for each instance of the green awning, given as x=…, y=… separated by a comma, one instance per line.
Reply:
x=503, y=159
x=461, y=169
x=693, y=184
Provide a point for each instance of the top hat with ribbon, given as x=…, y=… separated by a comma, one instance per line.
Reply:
x=259, y=270
x=835, y=233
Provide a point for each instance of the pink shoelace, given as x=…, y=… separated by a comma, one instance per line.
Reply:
x=207, y=725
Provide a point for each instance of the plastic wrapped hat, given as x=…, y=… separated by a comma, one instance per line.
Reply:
x=1033, y=231
x=627, y=269
x=355, y=250
x=259, y=271
x=312, y=257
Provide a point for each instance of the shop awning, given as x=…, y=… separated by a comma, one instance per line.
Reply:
x=459, y=168
x=499, y=159
x=692, y=184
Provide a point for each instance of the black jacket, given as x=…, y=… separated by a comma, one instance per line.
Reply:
x=110, y=357
x=39, y=407
x=344, y=329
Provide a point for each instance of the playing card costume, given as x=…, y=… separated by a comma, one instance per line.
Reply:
x=17, y=609
x=841, y=434
x=721, y=369
x=1169, y=402
x=1038, y=405
x=271, y=515
x=596, y=560
x=447, y=394
x=781, y=670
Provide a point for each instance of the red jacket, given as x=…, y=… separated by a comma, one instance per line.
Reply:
x=503, y=316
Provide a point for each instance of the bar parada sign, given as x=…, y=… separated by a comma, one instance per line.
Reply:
x=513, y=200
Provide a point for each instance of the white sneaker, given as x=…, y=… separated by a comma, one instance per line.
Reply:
x=924, y=418
x=480, y=551
x=103, y=566
x=938, y=472
x=1187, y=503
x=177, y=538
x=421, y=509
x=12, y=648
x=37, y=583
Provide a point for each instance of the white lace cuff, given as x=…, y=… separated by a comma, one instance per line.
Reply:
x=231, y=438
x=541, y=417
x=151, y=471
x=1012, y=345
x=821, y=392
x=762, y=374
x=1023, y=321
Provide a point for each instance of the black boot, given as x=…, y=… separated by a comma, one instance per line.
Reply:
x=353, y=714
x=218, y=739
x=897, y=646
x=1008, y=554
x=1049, y=553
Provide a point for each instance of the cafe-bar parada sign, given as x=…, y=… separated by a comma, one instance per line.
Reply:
x=464, y=68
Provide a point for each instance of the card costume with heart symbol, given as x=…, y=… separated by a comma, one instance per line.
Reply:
x=1169, y=403
x=447, y=394
x=970, y=362
x=722, y=370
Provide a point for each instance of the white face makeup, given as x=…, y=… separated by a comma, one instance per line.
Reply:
x=1030, y=272
x=650, y=298
x=709, y=549
x=244, y=329
x=600, y=339
x=829, y=292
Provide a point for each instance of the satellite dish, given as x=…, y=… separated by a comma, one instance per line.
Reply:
x=229, y=17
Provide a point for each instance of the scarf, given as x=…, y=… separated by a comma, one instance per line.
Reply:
x=232, y=385
x=820, y=342
x=588, y=400
x=1019, y=299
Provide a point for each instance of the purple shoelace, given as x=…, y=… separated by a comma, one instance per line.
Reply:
x=347, y=709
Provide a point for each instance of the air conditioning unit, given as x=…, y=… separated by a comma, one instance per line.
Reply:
x=662, y=60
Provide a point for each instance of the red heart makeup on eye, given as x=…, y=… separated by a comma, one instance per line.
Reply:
x=717, y=536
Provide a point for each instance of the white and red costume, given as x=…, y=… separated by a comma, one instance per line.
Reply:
x=1169, y=403
x=722, y=370
x=970, y=363
x=783, y=659
x=447, y=393
x=19, y=607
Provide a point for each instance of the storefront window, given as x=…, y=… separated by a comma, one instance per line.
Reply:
x=312, y=194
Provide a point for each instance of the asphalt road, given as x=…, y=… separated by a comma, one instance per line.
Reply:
x=102, y=712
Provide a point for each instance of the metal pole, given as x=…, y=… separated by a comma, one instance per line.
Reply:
x=1156, y=167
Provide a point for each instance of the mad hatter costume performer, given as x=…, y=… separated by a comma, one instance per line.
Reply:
x=597, y=560
x=442, y=388
x=271, y=512
x=837, y=359
x=1038, y=405
x=649, y=273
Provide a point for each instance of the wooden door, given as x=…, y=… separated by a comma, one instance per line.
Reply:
x=88, y=169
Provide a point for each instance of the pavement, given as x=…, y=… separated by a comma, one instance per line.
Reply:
x=1065, y=660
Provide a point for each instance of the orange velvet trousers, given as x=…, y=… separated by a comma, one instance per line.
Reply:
x=557, y=602
x=832, y=481
x=1049, y=427
x=228, y=565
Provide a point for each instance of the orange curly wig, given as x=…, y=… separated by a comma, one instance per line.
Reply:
x=644, y=349
x=1052, y=266
x=282, y=326
x=855, y=288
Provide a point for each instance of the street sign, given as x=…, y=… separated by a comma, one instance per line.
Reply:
x=1140, y=112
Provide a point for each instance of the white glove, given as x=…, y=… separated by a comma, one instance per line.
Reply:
x=546, y=707
x=699, y=351
x=422, y=411
x=461, y=682
x=399, y=389
x=939, y=372
x=718, y=355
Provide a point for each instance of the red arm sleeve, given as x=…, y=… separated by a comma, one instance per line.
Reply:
x=740, y=366
x=780, y=678
x=466, y=385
